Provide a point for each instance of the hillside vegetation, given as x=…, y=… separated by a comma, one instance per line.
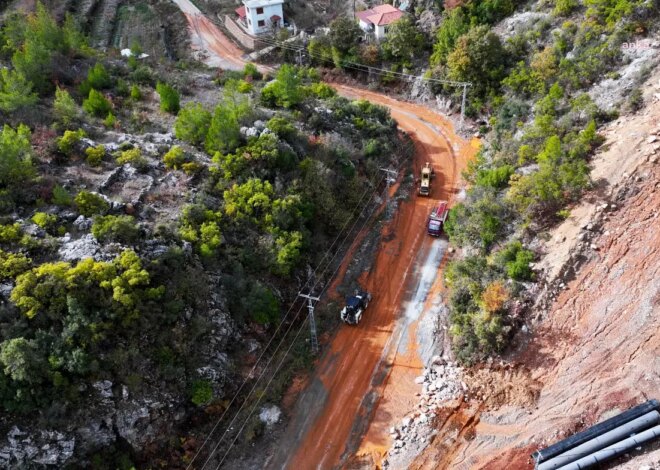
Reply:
x=149, y=219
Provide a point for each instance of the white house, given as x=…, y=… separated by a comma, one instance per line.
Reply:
x=378, y=19
x=261, y=16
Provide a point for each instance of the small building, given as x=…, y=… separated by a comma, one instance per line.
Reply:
x=261, y=16
x=378, y=19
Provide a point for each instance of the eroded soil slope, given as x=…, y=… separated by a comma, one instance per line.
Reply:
x=596, y=350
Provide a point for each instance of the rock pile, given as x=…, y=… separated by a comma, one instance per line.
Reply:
x=440, y=382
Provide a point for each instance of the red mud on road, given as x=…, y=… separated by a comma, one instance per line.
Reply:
x=330, y=410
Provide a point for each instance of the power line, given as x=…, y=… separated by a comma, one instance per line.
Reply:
x=280, y=365
x=282, y=322
x=400, y=163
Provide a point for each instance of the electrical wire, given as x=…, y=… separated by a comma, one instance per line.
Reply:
x=327, y=252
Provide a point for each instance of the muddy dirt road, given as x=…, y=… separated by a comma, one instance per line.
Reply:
x=366, y=378
x=217, y=49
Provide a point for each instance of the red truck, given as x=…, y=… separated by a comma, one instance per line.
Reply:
x=437, y=218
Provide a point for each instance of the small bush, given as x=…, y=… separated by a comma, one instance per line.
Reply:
x=132, y=156
x=136, y=94
x=191, y=168
x=322, y=90
x=90, y=204
x=250, y=71
x=95, y=155
x=192, y=123
x=97, y=78
x=175, y=158
x=65, y=108
x=244, y=87
x=565, y=7
x=202, y=392
x=495, y=178
x=44, y=220
x=96, y=104
x=69, y=140
x=13, y=264
x=281, y=126
x=61, y=197
x=10, y=233
x=169, y=98
x=110, y=121
x=115, y=228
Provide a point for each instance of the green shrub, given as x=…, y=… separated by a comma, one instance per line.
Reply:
x=97, y=78
x=515, y=260
x=244, y=87
x=110, y=121
x=10, y=233
x=16, y=167
x=15, y=91
x=132, y=156
x=285, y=91
x=191, y=168
x=65, y=108
x=174, y=158
x=95, y=155
x=496, y=178
x=202, y=392
x=13, y=264
x=192, y=123
x=115, y=228
x=250, y=70
x=136, y=94
x=90, y=204
x=61, y=197
x=44, y=220
x=565, y=7
x=69, y=141
x=281, y=126
x=264, y=306
x=169, y=98
x=96, y=104
x=322, y=90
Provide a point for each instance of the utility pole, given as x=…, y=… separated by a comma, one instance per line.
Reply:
x=299, y=59
x=312, y=322
x=463, y=105
x=389, y=179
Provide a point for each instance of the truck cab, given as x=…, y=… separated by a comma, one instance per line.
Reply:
x=437, y=219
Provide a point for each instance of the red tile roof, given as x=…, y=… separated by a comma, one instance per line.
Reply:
x=275, y=18
x=381, y=15
x=240, y=11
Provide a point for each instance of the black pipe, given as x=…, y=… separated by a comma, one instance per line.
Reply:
x=594, y=431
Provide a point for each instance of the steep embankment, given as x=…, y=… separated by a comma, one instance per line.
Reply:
x=596, y=350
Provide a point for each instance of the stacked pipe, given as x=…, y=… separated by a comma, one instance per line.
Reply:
x=603, y=441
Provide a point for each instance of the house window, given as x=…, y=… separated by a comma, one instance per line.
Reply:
x=261, y=23
x=247, y=9
x=249, y=21
x=260, y=11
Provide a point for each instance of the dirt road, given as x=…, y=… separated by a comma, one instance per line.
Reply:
x=366, y=378
x=215, y=48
